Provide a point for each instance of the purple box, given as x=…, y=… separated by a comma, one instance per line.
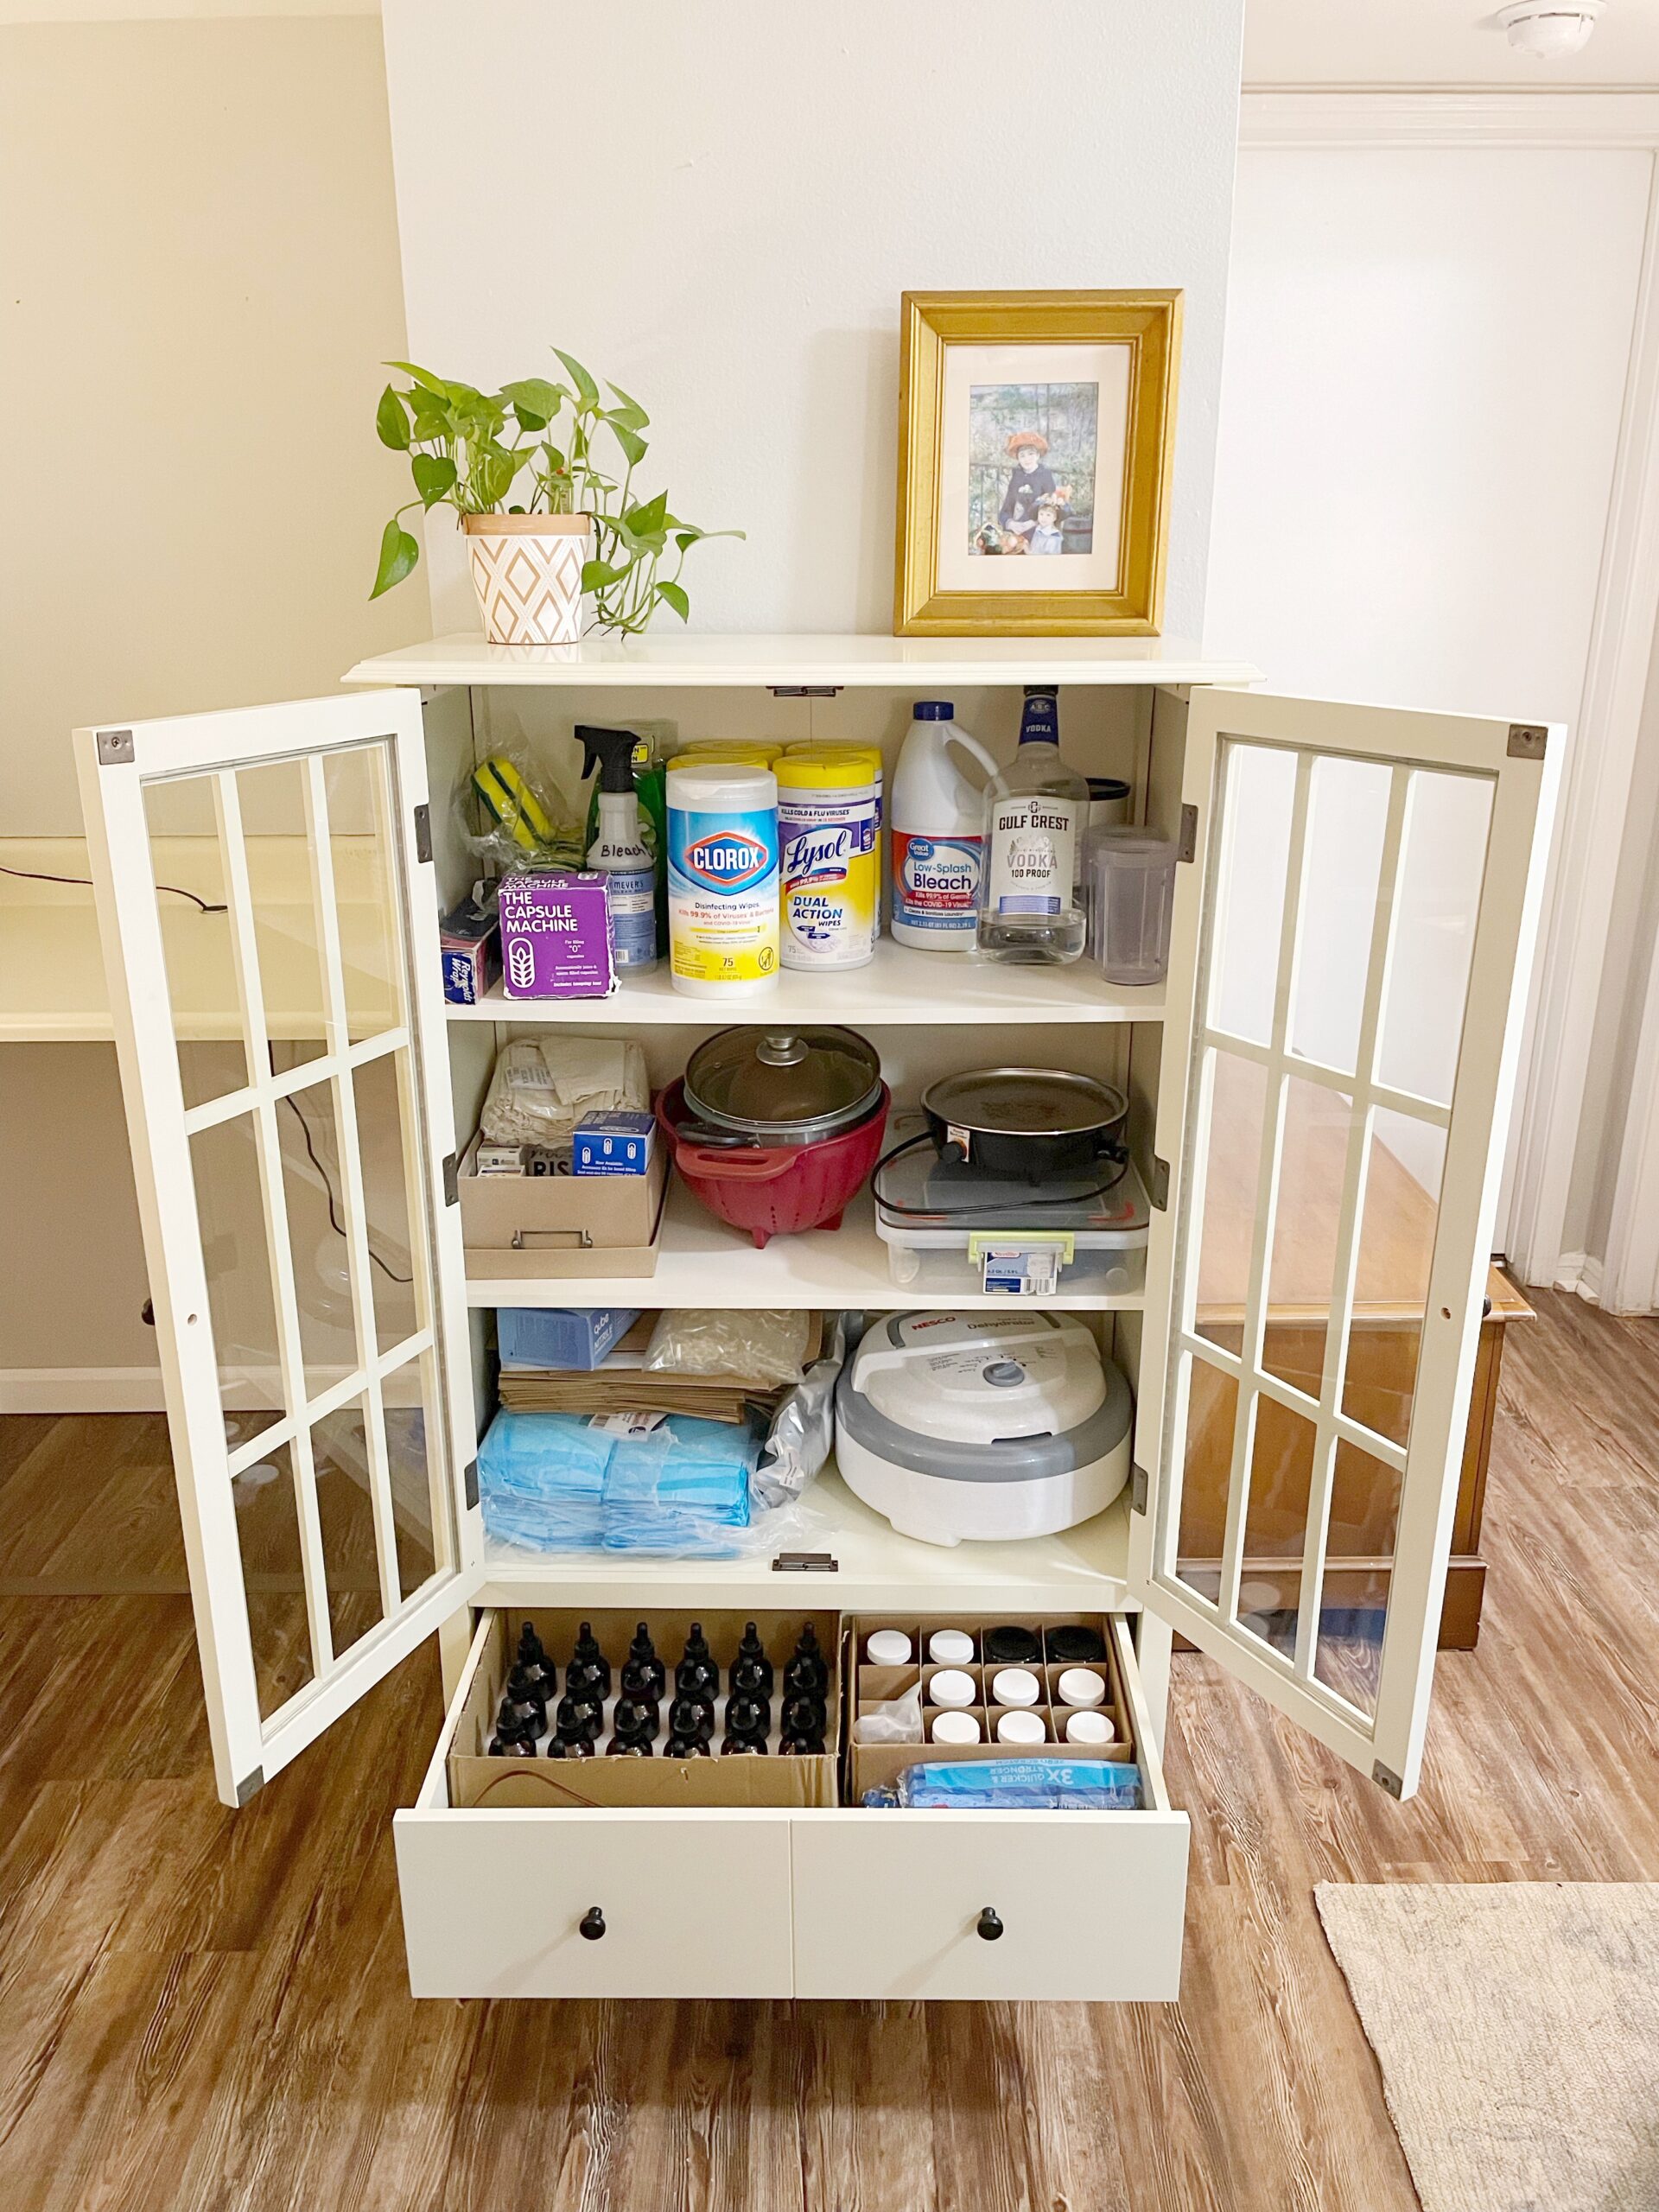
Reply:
x=556, y=935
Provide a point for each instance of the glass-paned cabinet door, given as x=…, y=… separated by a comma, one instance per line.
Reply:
x=269, y=937
x=1347, y=981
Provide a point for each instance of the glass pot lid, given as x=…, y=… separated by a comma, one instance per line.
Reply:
x=800, y=1083
x=1025, y=1103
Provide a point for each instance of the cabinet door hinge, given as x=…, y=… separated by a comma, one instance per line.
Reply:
x=451, y=1180
x=1384, y=1779
x=1187, y=845
x=115, y=748
x=422, y=831
x=469, y=1484
x=1527, y=740
x=1158, y=1193
x=804, y=691
x=1138, y=1486
x=805, y=1563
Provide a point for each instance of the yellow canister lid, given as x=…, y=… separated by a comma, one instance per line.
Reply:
x=745, y=752
x=827, y=767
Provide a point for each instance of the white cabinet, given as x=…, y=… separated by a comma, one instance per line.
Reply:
x=1351, y=940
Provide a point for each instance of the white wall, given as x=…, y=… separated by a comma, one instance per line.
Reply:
x=199, y=274
x=1426, y=363
x=720, y=207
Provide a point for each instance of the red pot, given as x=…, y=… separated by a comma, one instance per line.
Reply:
x=773, y=1190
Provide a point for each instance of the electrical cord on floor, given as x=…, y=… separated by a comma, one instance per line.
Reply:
x=36, y=875
x=334, y=1221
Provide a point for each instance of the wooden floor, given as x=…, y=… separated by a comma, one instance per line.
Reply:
x=206, y=2009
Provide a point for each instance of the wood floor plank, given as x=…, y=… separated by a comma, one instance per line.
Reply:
x=202, y=2010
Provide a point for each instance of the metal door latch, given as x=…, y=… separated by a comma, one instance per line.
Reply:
x=805, y=1563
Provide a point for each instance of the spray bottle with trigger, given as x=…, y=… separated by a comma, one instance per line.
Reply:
x=618, y=851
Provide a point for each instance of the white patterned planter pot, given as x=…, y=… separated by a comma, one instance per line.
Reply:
x=527, y=573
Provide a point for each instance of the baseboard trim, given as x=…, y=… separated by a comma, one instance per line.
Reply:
x=81, y=1391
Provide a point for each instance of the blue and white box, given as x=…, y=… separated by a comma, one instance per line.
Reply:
x=580, y=1337
x=612, y=1144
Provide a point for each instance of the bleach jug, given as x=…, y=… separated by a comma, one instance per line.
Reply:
x=937, y=832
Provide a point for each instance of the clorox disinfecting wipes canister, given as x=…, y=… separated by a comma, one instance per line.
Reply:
x=722, y=880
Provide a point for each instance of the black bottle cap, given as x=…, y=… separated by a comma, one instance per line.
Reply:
x=581, y=1749
x=748, y=1717
x=686, y=1747
x=1072, y=1647
x=805, y=1715
x=642, y=1647
x=645, y=1679
x=595, y=1666
x=529, y=1645
x=632, y=1747
x=512, y=1747
x=1011, y=1646
x=743, y=1746
x=806, y=1670
x=801, y=1747
x=690, y=1717
x=635, y=1720
x=579, y=1718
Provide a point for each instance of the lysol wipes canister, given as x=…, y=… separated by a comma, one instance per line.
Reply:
x=830, y=836
x=722, y=879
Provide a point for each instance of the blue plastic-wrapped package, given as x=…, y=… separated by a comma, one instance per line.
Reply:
x=541, y=1481
x=664, y=1482
x=681, y=1488
x=1054, y=1784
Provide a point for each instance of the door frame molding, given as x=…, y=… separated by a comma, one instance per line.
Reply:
x=1603, y=739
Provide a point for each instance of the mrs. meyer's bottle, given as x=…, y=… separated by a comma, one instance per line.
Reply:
x=1031, y=904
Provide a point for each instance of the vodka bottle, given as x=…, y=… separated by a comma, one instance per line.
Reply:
x=1031, y=904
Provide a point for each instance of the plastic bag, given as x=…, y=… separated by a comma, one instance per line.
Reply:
x=512, y=814
x=892, y=1720
x=540, y=1089
x=1034, y=1785
x=668, y=1483
x=803, y=1431
x=764, y=1348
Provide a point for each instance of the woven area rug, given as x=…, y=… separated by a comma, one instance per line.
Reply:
x=1517, y=2028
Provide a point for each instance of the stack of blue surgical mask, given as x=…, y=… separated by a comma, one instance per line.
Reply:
x=670, y=1484
x=541, y=1481
x=1034, y=1785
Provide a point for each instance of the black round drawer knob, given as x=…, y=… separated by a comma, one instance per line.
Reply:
x=989, y=1924
x=592, y=1924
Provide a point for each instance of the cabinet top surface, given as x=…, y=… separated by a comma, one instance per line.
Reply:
x=685, y=658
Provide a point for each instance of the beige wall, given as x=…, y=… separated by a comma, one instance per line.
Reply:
x=198, y=277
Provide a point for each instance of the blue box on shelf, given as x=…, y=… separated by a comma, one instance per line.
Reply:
x=612, y=1144
x=580, y=1337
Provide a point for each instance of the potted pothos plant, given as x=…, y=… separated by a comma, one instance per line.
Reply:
x=541, y=476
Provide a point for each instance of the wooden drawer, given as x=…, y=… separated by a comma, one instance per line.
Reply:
x=843, y=1903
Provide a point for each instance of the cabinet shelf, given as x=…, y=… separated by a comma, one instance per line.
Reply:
x=703, y=1261
x=877, y=1569
x=899, y=986
x=694, y=660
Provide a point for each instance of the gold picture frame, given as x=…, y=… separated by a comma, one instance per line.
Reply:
x=946, y=420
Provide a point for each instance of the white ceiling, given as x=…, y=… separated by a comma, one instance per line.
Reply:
x=1435, y=42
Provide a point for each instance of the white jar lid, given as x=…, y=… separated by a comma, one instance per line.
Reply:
x=1020, y=1728
x=1082, y=1685
x=955, y=1728
x=951, y=1647
x=888, y=1647
x=1088, y=1728
x=952, y=1686
x=1015, y=1685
